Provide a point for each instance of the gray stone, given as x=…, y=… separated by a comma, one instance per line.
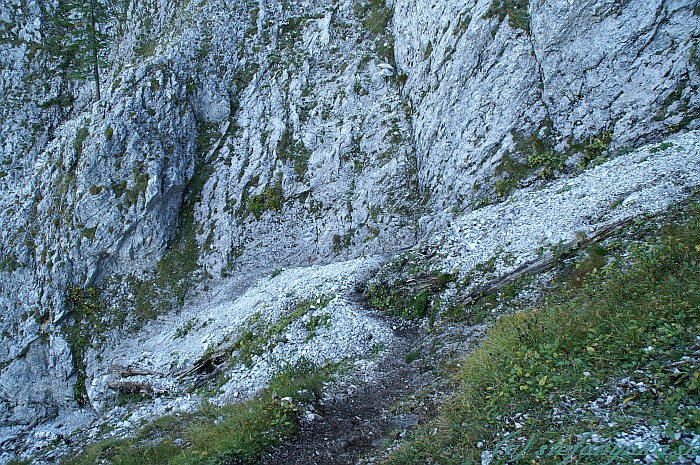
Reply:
x=405, y=421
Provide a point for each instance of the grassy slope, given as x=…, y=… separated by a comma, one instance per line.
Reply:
x=537, y=373
x=236, y=433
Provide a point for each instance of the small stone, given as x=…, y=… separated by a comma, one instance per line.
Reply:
x=406, y=421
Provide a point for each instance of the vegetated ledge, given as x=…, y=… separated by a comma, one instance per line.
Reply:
x=233, y=433
x=605, y=365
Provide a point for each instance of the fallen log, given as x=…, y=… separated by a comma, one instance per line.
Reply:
x=131, y=387
x=128, y=371
x=207, y=364
x=547, y=261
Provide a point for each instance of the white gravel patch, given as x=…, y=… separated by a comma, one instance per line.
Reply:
x=646, y=181
x=170, y=345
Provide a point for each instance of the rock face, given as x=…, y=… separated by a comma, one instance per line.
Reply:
x=554, y=77
x=237, y=137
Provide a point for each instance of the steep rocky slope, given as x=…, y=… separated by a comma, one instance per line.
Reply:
x=236, y=138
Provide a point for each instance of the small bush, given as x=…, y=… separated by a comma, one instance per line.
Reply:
x=376, y=16
x=89, y=233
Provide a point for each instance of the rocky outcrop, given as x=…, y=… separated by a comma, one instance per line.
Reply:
x=556, y=81
x=235, y=138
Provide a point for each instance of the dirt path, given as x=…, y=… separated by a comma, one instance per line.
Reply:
x=356, y=422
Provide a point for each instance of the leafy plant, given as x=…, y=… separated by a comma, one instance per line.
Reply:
x=289, y=149
x=411, y=295
x=85, y=324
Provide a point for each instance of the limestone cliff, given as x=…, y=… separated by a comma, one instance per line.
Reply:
x=234, y=138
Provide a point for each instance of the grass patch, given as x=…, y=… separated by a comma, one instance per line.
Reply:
x=375, y=15
x=236, y=433
x=376, y=18
x=80, y=137
x=413, y=355
x=289, y=149
x=540, y=368
x=515, y=10
x=260, y=336
x=408, y=290
x=84, y=328
x=9, y=263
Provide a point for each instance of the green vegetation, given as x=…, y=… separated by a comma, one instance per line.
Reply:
x=260, y=336
x=269, y=200
x=80, y=137
x=73, y=35
x=413, y=355
x=516, y=10
x=184, y=329
x=546, y=162
x=407, y=290
x=175, y=272
x=237, y=433
x=634, y=318
x=295, y=151
x=376, y=18
x=145, y=47
x=540, y=155
x=676, y=106
x=341, y=242
x=179, y=268
x=62, y=100
x=139, y=186
x=536, y=155
x=510, y=172
x=594, y=147
x=9, y=263
x=315, y=323
x=661, y=147
x=83, y=330
x=428, y=51
x=109, y=133
x=89, y=233
x=276, y=272
x=694, y=56
x=118, y=188
x=484, y=307
x=375, y=15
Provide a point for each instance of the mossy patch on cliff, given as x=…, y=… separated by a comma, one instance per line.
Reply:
x=515, y=10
